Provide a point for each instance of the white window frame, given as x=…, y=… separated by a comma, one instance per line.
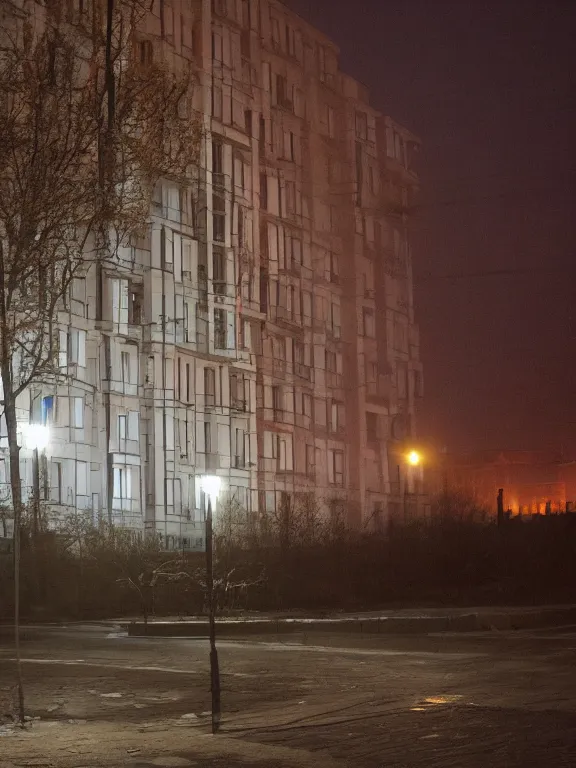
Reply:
x=122, y=487
x=125, y=368
x=63, y=343
x=122, y=432
x=56, y=468
x=78, y=347
x=77, y=412
x=81, y=478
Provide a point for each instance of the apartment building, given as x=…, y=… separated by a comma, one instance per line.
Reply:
x=338, y=368
x=263, y=329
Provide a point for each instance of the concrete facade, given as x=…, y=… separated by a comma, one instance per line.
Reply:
x=263, y=330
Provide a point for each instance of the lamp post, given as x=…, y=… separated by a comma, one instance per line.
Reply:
x=414, y=460
x=36, y=437
x=210, y=484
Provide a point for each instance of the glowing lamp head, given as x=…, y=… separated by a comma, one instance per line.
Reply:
x=36, y=436
x=211, y=485
x=414, y=458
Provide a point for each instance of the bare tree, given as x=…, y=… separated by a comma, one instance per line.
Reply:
x=87, y=127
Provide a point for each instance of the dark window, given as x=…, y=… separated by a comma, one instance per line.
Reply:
x=219, y=218
x=310, y=456
x=263, y=291
x=245, y=14
x=264, y=191
x=146, y=52
x=281, y=89
x=361, y=125
x=298, y=352
x=135, y=305
x=248, y=121
x=371, y=427
x=217, y=155
x=277, y=403
x=245, y=41
x=207, y=437
x=241, y=217
x=220, y=329
x=359, y=173
x=262, y=136
x=219, y=270
x=237, y=391
x=209, y=386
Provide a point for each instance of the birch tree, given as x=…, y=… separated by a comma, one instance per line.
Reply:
x=91, y=116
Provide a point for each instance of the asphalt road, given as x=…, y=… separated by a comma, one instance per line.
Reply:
x=457, y=701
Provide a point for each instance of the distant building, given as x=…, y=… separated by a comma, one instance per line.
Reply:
x=263, y=329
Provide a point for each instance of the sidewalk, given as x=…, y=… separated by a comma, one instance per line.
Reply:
x=394, y=622
x=163, y=745
x=408, y=621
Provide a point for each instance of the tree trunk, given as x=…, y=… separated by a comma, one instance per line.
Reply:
x=16, y=488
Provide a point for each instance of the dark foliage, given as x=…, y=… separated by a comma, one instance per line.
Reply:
x=451, y=558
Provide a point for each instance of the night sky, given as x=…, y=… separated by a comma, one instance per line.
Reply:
x=487, y=86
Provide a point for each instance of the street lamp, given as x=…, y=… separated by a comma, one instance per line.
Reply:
x=210, y=485
x=414, y=460
x=36, y=438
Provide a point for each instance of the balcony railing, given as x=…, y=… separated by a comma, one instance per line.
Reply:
x=211, y=461
x=304, y=371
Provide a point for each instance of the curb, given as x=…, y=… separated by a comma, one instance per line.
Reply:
x=471, y=622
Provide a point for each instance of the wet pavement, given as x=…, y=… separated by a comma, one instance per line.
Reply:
x=499, y=699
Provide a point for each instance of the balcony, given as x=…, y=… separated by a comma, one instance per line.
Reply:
x=134, y=332
x=303, y=371
x=282, y=416
x=211, y=461
x=108, y=326
x=279, y=367
x=220, y=339
x=238, y=462
x=293, y=268
x=380, y=389
x=334, y=331
x=334, y=380
x=219, y=180
x=285, y=317
x=238, y=404
x=202, y=288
